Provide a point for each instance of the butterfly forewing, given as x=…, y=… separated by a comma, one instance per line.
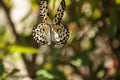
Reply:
x=43, y=11
x=60, y=13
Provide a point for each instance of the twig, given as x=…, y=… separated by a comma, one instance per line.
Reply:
x=7, y=12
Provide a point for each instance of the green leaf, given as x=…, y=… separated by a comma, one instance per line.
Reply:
x=46, y=74
x=22, y=49
x=76, y=62
x=1, y=67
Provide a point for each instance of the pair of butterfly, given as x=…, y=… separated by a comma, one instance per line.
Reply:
x=49, y=31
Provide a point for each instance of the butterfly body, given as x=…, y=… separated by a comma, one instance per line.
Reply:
x=49, y=31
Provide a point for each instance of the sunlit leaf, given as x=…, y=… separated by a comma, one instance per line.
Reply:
x=45, y=74
x=96, y=14
x=48, y=66
x=76, y=62
x=22, y=49
x=101, y=74
x=117, y=1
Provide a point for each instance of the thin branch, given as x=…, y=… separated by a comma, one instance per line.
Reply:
x=7, y=12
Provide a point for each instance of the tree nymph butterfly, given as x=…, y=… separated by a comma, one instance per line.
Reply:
x=49, y=31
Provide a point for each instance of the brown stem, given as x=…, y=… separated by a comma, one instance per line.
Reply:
x=10, y=20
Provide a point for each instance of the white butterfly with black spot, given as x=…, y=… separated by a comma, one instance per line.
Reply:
x=49, y=31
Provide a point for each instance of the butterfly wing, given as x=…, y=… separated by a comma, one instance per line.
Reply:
x=43, y=11
x=60, y=13
x=41, y=33
x=60, y=34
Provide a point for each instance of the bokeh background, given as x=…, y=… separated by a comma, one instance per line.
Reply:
x=91, y=53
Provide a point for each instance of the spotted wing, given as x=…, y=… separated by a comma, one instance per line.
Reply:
x=40, y=33
x=43, y=11
x=60, y=34
x=60, y=13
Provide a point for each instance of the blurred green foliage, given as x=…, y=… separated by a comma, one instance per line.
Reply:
x=91, y=53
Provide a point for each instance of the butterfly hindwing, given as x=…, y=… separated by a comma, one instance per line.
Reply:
x=60, y=34
x=40, y=33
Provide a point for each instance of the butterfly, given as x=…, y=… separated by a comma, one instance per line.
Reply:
x=48, y=31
